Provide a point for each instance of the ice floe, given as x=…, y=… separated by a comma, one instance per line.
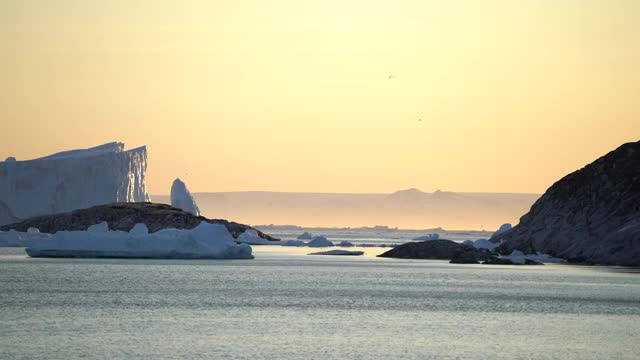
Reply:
x=339, y=252
x=205, y=241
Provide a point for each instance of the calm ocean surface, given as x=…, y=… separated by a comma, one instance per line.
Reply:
x=286, y=304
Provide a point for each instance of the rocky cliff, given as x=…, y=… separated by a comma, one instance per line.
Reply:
x=589, y=216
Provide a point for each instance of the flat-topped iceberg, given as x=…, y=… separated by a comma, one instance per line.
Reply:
x=205, y=241
x=71, y=180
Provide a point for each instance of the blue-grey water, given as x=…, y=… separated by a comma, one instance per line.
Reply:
x=286, y=304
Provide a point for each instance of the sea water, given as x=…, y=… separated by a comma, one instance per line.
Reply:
x=286, y=304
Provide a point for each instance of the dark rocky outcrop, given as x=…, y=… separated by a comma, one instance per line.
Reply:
x=498, y=261
x=123, y=216
x=437, y=250
x=589, y=216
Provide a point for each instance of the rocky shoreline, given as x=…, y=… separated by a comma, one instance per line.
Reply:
x=591, y=216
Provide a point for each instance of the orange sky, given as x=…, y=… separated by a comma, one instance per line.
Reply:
x=296, y=95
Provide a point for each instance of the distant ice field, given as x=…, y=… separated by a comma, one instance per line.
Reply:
x=372, y=236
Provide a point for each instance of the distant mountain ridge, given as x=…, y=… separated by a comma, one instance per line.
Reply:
x=406, y=209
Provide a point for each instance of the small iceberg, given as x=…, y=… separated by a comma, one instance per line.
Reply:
x=345, y=243
x=305, y=236
x=205, y=241
x=339, y=252
x=251, y=237
x=296, y=243
x=482, y=244
x=320, y=241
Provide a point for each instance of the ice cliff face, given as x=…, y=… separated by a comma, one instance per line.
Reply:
x=72, y=180
x=181, y=198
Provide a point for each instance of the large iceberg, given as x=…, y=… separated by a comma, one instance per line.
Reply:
x=71, y=180
x=205, y=241
x=181, y=198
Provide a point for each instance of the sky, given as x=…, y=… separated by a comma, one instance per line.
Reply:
x=326, y=96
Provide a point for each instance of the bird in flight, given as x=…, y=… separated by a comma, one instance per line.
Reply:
x=391, y=77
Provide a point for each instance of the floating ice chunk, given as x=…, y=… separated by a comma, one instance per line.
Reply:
x=345, y=243
x=320, y=241
x=33, y=230
x=139, y=229
x=305, y=236
x=427, y=237
x=181, y=198
x=251, y=237
x=293, y=243
x=205, y=241
x=339, y=252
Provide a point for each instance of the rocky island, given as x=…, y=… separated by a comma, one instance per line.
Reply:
x=124, y=216
x=590, y=216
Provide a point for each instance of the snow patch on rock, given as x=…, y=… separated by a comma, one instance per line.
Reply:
x=518, y=257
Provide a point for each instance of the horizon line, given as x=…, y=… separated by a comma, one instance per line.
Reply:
x=351, y=193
